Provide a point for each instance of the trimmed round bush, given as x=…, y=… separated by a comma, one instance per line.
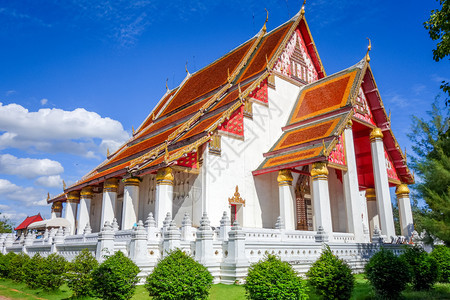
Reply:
x=424, y=268
x=5, y=261
x=388, y=274
x=79, y=274
x=441, y=254
x=331, y=277
x=179, y=276
x=115, y=278
x=32, y=270
x=272, y=278
x=15, y=269
x=53, y=272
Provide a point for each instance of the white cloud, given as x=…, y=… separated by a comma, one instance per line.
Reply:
x=44, y=101
x=57, y=130
x=29, y=167
x=28, y=195
x=53, y=181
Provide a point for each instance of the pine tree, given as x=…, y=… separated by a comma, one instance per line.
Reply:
x=431, y=144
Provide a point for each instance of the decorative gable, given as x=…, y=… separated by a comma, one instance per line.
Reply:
x=361, y=108
x=295, y=62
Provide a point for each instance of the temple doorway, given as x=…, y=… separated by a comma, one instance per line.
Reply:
x=303, y=207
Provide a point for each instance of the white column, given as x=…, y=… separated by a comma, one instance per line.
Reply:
x=351, y=188
x=404, y=210
x=109, y=200
x=321, y=197
x=381, y=184
x=372, y=210
x=71, y=210
x=286, y=197
x=56, y=209
x=164, y=195
x=130, y=203
x=84, y=209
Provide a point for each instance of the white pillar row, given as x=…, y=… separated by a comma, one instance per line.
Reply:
x=84, y=209
x=164, y=195
x=321, y=197
x=351, y=188
x=130, y=203
x=56, y=210
x=71, y=210
x=372, y=210
x=404, y=210
x=109, y=200
x=286, y=198
x=381, y=183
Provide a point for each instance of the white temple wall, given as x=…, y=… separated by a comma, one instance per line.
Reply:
x=147, y=189
x=267, y=196
x=240, y=157
x=186, y=195
x=96, y=212
x=365, y=216
x=337, y=202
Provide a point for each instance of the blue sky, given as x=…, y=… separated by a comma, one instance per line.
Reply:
x=76, y=75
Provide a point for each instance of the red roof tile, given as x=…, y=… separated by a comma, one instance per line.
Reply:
x=28, y=221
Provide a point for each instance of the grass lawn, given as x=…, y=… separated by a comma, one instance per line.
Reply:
x=362, y=291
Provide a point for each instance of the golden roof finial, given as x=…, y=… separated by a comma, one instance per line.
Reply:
x=132, y=128
x=167, y=87
x=107, y=152
x=64, y=184
x=153, y=116
x=240, y=92
x=406, y=157
x=324, y=148
x=166, y=153
x=48, y=196
x=185, y=67
x=302, y=11
x=368, y=50
x=229, y=77
x=389, y=117
x=267, y=19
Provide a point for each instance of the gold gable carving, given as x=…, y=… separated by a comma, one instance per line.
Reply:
x=236, y=199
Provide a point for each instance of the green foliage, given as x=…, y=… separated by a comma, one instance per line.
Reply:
x=442, y=255
x=179, y=276
x=5, y=261
x=272, y=278
x=5, y=224
x=15, y=270
x=32, y=270
x=423, y=267
x=438, y=26
x=115, y=278
x=331, y=277
x=388, y=274
x=53, y=272
x=79, y=273
x=431, y=144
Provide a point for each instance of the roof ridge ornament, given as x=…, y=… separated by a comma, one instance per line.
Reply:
x=302, y=11
x=264, y=29
x=368, y=50
x=185, y=67
x=64, y=184
x=167, y=87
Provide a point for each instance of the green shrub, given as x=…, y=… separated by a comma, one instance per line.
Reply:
x=4, y=264
x=179, y=276
x=15, y=269
x=32, y=270
x=79, y=274
x=331, y=277
x=115, y=278
x=53, y=272
x=388, y=274
x=442, y=255
x=273, y=279
x=423, y=267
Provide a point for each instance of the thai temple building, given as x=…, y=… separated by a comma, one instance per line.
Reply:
x=259, y=152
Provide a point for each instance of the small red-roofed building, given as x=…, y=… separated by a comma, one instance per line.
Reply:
x=22, y=228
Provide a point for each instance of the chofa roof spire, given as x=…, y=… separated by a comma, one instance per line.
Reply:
x=302, y=11
x=368, y=50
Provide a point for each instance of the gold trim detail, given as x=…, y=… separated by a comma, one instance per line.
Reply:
x=376, y=134
x=57, y=206
x=164, y=176
x=248, y=109
x=86, y=192
x=371, y=195
x=215, y=145
x=236, y=199
x=73, y=197
x=319, y=170
x=132, y=181
x=284, y=177
x=111, y=185
x=402, y=190
x=349, y=124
